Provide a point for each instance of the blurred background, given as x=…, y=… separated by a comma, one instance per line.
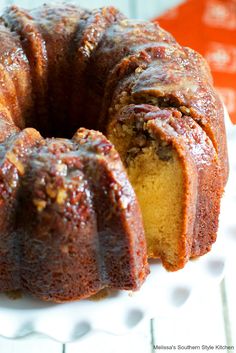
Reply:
x=209, y=26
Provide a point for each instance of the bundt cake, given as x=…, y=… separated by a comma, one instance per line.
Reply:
x=70, y=221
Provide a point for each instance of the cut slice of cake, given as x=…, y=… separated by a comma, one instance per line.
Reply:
x=173, y=167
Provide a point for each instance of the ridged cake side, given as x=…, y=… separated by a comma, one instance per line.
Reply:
x=78, y=224
x=14, y=152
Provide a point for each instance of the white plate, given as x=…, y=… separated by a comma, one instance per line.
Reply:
x=162, y=293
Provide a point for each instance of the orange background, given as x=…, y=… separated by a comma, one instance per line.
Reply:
x=209, y=26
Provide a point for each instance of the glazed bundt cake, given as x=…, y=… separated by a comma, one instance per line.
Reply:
x=70, y=221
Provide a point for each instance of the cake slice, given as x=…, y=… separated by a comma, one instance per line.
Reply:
x=173, y=168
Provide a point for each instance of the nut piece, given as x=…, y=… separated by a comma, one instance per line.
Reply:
x=184, y=110
x=61, y=196
x=40, y=204
x=138, y=70
x=164, y=152
x=131, y=154
x=140, y=140
x=17, y=163
x=51, y=191
x=61, y=168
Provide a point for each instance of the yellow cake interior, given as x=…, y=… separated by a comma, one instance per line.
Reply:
x=157, y=178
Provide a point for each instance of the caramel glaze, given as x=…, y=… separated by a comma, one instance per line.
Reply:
x=149, y=66
x=62, y=67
